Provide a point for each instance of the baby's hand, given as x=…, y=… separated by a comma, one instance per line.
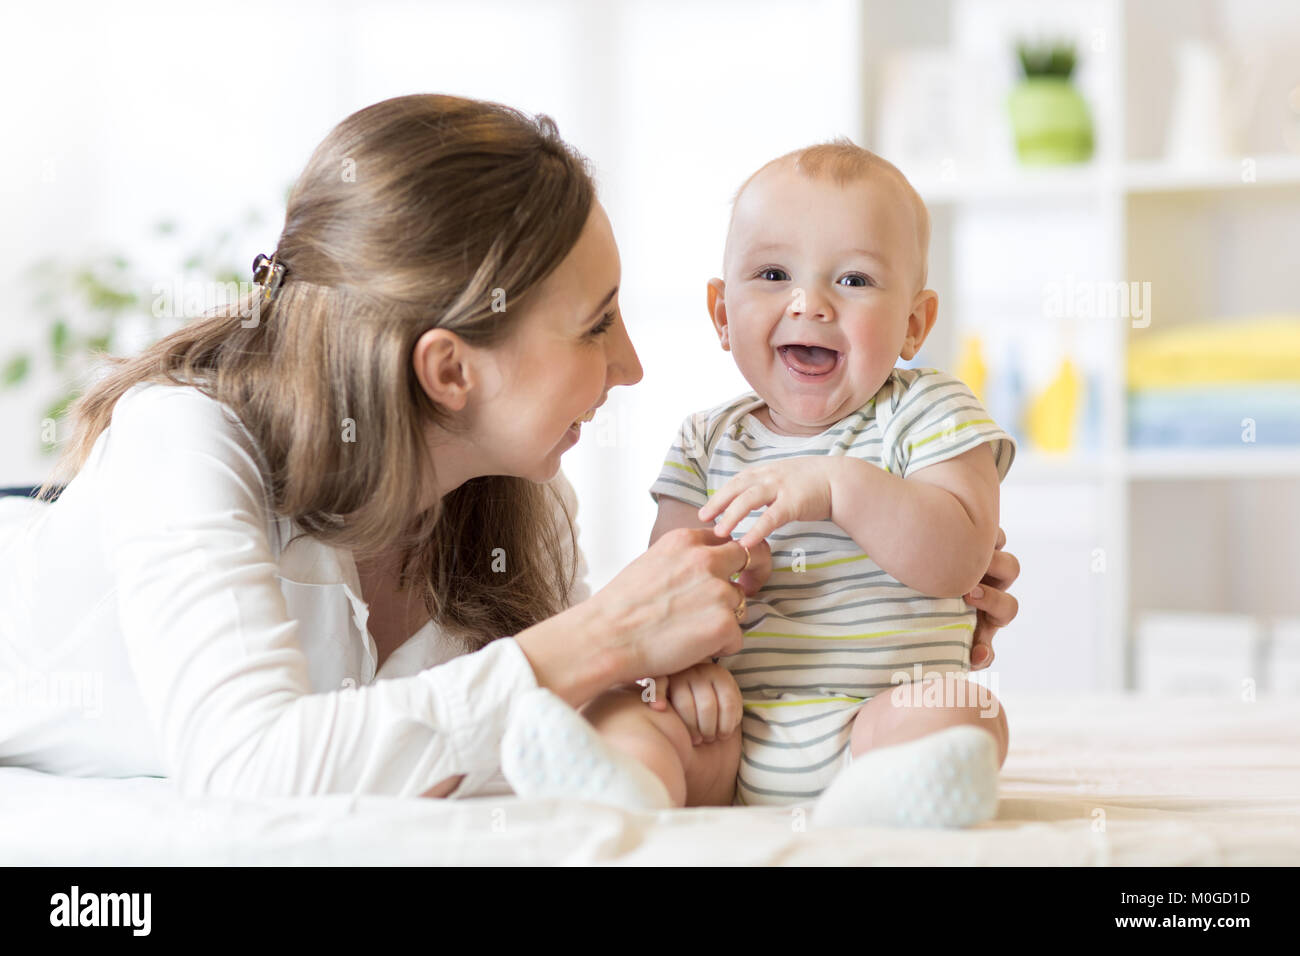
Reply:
x=794, y=489
x=707, y=700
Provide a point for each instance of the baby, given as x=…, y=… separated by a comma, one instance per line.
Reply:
x=877, y=490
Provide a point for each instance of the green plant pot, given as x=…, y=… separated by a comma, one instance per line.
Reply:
x=1051, y=121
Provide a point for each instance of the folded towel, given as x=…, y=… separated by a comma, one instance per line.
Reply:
x=1214, y=415
x=1251, y=350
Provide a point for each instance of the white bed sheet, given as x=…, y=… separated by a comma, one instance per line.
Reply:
x=1089, y=780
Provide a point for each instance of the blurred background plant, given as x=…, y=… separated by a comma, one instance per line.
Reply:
x=1049, y=116
x=102, y=303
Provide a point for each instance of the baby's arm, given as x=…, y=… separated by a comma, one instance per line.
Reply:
x=674, y=513
x=933, y=530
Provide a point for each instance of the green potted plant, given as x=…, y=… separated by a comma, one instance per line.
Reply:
x=88, y=302
x=1049, y=116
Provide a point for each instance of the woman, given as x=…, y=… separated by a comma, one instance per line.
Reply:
x=354, y=475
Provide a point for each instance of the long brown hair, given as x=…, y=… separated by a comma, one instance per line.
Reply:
x=407, y=217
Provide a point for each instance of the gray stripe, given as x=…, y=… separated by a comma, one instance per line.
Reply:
x=972, y=439
x=665, y=480
x=810, y=534
x=800, y=720
x=884, y=600
x=864, y=620
x=930, y=409
x=870, y=601
x=824, y=581
x=844, y=666
x=883, y=649
x=819, y=689
x=779, y=793
x=806, y=768
x=791, y=744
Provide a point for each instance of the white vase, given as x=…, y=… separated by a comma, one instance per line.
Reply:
x=1200, y=126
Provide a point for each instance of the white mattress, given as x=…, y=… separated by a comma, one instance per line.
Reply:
x=1105, y=780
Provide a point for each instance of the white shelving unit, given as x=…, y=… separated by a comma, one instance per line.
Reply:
x=1211, y=241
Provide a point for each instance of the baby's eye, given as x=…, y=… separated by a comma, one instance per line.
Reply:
x=781, y=275
x=862, y=280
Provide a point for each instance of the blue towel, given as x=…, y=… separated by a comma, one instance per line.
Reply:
x=1212, y=415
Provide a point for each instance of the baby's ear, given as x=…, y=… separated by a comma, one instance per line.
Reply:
x=718, y=309
x=925, y=309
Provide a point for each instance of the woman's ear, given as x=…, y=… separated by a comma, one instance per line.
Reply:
x=444, y=368
x=925, y=309
x=718, y=311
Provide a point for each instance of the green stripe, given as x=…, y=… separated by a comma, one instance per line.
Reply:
x=948, y=431
x=860, y=637
x=825, y=564
x=800, y=703
x=673, y=464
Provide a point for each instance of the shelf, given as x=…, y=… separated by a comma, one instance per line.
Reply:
x=1249, y=461
x=1157, y=177
x=1195, y=464
x=1065, y=182
x=1093, y=179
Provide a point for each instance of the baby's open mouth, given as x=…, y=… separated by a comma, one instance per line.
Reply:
x=811, y=360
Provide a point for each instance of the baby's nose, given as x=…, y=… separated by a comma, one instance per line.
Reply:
x=799, y=307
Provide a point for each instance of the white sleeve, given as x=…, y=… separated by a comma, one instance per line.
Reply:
x=218, y=659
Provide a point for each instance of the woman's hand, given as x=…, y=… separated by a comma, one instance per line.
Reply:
x=995, y=607
x=673, y=606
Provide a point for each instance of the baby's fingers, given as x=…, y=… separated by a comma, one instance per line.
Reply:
x=730, y=706
x=720, y=499
x=683, y=701
x=750, y=500
x=706, y=713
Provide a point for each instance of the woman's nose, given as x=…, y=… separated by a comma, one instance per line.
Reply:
x=624, y=366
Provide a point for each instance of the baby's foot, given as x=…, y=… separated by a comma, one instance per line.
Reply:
x=945, y=779
x=550, y=750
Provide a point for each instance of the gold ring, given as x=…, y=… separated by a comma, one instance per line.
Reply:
x=740, y=608
x=746, y=550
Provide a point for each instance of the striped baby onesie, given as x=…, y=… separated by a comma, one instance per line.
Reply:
x=831, y=629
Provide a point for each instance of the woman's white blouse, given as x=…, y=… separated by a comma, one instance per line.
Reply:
x=156, y=620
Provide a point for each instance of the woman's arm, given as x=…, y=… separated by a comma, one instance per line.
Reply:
x=216, y=657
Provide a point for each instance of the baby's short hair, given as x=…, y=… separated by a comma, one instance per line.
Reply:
x=843, y=161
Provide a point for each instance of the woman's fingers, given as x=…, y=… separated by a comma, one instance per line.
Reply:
x=1002, y=571
x=998, y=606
x=755, y=576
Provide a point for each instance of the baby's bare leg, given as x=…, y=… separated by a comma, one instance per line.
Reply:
x=916, y=710
x=695, y=776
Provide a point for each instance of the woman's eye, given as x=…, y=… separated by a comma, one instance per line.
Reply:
x=780, y=275
x=603, y=325
x=860, y=279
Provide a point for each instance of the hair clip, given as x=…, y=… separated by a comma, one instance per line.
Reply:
x=269, y=274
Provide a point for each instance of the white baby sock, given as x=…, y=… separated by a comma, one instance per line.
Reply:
x=945, y=779
x=550, y=750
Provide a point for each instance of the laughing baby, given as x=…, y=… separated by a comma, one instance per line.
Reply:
x=876, y=488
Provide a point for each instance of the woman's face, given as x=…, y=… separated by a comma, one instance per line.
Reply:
x=568, y=350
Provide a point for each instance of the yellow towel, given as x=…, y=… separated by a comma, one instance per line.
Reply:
x=1260, y=349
